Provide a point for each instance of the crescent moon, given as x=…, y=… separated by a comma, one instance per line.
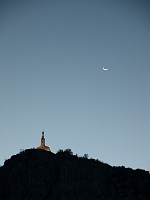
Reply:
x=105, y=69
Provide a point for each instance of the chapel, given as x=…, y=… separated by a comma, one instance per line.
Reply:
x=42, y=146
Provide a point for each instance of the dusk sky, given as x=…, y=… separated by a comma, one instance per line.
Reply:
x=51, y=79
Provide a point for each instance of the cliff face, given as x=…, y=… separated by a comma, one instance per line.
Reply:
x=41, y=175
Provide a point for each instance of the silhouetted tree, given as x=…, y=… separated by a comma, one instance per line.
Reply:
x=86, y=156
x=60, y=151
x=68, y=152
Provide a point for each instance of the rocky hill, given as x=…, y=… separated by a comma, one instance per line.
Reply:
x=40, y=175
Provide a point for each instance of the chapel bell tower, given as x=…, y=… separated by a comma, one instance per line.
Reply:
x=43, y=139
x=42, y=146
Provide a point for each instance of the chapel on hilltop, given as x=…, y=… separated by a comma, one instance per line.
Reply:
x=42, y=146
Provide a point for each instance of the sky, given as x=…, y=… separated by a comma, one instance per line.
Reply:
x=51, y=79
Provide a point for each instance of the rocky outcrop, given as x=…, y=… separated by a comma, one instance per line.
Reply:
x=40, y=175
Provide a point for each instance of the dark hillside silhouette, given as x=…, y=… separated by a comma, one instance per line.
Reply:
x=40, y=175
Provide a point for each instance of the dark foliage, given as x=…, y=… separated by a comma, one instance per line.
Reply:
x=39, y=175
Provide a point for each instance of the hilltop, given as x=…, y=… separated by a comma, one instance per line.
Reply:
x=40, y=175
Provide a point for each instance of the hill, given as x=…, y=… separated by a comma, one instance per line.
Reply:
x=40, y=175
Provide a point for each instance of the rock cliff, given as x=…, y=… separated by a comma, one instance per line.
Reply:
x=40, y=175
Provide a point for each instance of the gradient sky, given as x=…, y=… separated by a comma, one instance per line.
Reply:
x=51, y=78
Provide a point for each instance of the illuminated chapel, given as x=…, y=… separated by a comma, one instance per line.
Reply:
x=42, y=146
